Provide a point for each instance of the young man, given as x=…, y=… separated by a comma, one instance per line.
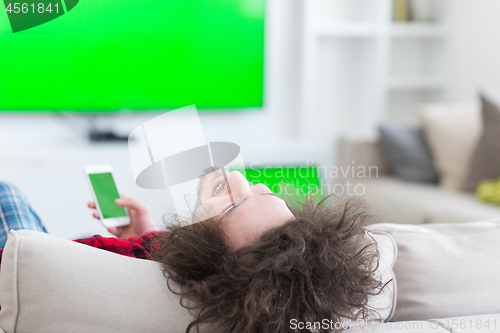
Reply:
x=253, y=262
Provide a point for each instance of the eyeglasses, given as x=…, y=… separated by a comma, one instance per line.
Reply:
x=232, y=206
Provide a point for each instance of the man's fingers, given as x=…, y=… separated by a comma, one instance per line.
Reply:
x=130, y=202
x=114, y=230
x=91, y=204
x=95, y=215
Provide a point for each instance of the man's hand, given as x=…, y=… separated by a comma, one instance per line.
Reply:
x=141, y=220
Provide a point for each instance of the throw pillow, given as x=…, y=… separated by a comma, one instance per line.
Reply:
x=408, y=153
x=489, y=191
x=452, y=132
x=485, y=162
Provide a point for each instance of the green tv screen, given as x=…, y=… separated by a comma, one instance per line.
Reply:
x=109, y=55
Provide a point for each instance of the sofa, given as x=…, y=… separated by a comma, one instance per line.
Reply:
x=401, y=201
x=443, y=278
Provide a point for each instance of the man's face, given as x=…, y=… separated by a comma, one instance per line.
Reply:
x=244, y=211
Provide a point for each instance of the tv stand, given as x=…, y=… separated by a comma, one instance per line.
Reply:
x=106, y=136
x=99, y=132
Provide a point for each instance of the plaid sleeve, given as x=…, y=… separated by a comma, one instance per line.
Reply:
x=136, y=247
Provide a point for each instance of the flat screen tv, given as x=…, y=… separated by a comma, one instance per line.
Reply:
x=138, y=55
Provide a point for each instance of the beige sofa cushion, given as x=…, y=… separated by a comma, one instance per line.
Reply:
x=452, y=132
x=48, y=284
x=446, y=270
x=416, y=203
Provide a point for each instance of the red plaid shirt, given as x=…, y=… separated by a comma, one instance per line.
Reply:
x=136, y=247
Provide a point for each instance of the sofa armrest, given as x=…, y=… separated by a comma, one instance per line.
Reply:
x=361, y=151
x=49, y=284
x=445, y=270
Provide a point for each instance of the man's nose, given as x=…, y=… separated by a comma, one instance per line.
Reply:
x=237, y=187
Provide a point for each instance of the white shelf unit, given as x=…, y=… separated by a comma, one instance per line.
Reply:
x=361, y=68
x=418, y=30
x=415, y=83
x=347, y=30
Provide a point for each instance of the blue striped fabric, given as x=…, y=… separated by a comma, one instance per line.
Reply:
x=15, y=212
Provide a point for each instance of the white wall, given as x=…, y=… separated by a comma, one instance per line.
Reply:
x=474, y=47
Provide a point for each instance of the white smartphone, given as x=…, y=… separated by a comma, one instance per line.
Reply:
x=104, y=190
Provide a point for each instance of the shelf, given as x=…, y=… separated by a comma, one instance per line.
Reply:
x=347, y=11
x=416, y=30
x=347, y=30
x=416, y=83
x=396, y=30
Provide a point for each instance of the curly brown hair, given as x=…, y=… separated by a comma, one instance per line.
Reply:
x=319, y=266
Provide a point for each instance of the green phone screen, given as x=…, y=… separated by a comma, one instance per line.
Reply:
x=106, y=192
